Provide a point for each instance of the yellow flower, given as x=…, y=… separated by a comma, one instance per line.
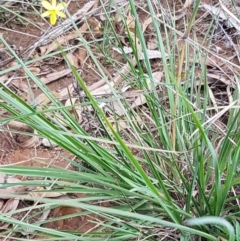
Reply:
x=53, y=10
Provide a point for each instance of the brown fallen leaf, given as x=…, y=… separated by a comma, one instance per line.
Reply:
x=1, y=204
x=30, y=141
x=5, y=193
x=76, y=110
x=130, y=23
x=187, y=3
x=81, y=54
x=219, y=77
x=64, y=93
x=3, y=78
x=40, y=192
x=94, y=24
x=73, y=59
x=10, y=205
x=17, y=125
x=151, y=54
x=105, y=89
x=55, y=76
x=152, y=43
x=121, y=124
x=229, y=94
x=140, y=100
x=211, y=95
x=35, y=70
x=26, y=141
x=42, y=100
x=20, y=84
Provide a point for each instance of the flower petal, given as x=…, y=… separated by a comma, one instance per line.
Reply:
x=53, y=18
x=63, y=15
x=54, y=3
x=61, y=6
x=46, y=5
x=45, y=14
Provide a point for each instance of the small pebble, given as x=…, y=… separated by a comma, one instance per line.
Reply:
x=47, y=143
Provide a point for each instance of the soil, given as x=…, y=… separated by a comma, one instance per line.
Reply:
x=20, y=36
